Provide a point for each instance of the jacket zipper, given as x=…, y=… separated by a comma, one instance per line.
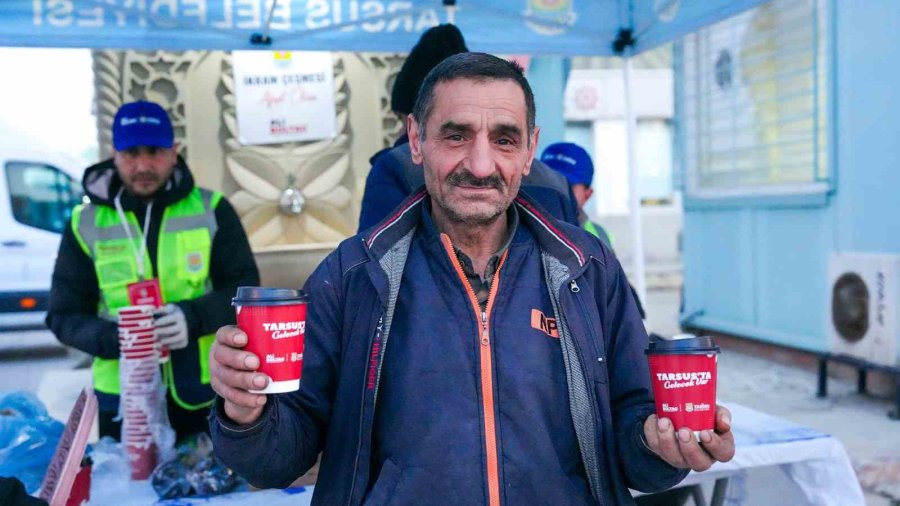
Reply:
x=487, y=375
x=574, y=288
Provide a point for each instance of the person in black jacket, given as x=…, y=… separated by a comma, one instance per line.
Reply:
x=144, y=200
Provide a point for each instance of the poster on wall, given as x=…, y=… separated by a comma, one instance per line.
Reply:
x=284, y=96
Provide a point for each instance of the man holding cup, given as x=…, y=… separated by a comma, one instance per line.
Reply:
x=149, y=236
x=468, y=349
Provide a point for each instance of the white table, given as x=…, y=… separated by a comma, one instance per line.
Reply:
x=813, y=461
x=140, y=493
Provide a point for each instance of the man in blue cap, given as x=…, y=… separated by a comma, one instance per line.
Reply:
x=573, y=162
x=149, y=236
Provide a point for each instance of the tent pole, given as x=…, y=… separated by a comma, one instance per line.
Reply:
x=450, y=7
x=634, y=200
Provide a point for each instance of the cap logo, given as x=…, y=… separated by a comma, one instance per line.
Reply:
x=561, y=157
x=140, y=119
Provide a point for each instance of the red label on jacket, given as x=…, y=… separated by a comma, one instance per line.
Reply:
x=544, y=324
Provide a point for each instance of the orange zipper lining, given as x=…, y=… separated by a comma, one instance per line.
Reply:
x=487, y=377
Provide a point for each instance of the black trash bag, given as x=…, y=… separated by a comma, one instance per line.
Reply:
x=194, y=471
x=211, y=477
x=170, y=481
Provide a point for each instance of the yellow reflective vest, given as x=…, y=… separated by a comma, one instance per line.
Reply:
x=183, y=256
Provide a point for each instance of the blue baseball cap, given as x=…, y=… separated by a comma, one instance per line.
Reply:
x=571, y=160
x=142, y=124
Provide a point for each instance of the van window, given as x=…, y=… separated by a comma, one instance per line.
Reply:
x=41, y=196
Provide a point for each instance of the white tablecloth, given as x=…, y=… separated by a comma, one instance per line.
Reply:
x=814, y=461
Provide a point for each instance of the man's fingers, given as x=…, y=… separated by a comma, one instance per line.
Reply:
x=235, y=358
x=240, y=398
x=241, y=379
x=651, y=433
x=669, y=448
x=693, y=454
x=723, y=419
x=231, y=336
x=719, y=446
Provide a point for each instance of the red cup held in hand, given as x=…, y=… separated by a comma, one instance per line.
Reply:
x=274, y=320
x=683, y=374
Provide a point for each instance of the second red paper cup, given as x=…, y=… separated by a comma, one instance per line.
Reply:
x=274, y=320
x=683, y=374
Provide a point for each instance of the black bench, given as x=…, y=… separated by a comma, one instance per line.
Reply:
x=862, y=368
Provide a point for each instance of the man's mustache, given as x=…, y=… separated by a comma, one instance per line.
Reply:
x=465, y=178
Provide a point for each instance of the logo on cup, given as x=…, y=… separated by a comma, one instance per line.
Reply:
x=285, y=330
x=272, y=358
x=669, y=409
x=689, y=407
x=683, y=379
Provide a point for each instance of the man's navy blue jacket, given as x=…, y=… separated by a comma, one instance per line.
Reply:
x=416, y=396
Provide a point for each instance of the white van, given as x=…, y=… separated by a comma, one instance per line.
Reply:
x=37, y=193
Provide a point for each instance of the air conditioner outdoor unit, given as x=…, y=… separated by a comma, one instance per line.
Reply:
x=864, y=307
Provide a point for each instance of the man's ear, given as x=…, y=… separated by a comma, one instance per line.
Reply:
x=532, y=150
x=173, y=154
x=415, y=139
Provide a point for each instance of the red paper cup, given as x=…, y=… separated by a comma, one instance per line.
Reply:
x=137, y=325
x=132, y=318
x=683, y=374
x=141, y=458
x=132, y=339
x=144, y=309
x=274, y=320
x=139, y=352
x=133, y=342
x=137, y=332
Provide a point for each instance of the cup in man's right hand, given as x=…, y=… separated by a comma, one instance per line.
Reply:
x=274, y=320
x=683, y=374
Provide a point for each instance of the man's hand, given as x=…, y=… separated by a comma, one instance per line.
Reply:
x=171, y=327
x=232, y=374
x=680, y=449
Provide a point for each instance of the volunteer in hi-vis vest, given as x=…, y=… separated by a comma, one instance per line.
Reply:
x=574, y=162
x=148, y=226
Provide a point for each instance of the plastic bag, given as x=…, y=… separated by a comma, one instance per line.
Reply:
x=110, y=470
x=28, y=438
x=194, y=471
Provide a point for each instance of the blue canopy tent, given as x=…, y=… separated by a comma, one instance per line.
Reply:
x=537, y=27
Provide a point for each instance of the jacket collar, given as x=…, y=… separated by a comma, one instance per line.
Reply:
x=101, y=183
x=554, y=237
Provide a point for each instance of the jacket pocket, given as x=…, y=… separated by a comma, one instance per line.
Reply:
x=384, y=487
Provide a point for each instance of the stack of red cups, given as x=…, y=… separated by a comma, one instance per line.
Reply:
x=140, y=382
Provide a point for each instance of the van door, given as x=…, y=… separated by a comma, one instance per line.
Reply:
x=40, y=198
